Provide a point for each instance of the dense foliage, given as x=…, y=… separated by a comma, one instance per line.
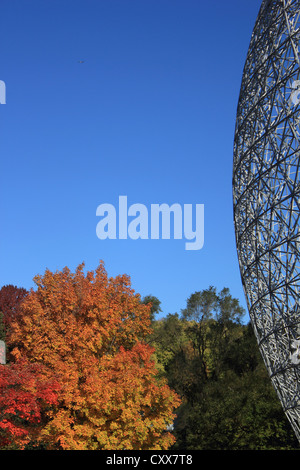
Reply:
x=87, y=333
x=26, y=397
x=10, y=301
x=212, y=361
x=90, y=367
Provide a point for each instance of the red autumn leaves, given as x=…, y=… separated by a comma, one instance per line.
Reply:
x=25, y=395
x=89, y=379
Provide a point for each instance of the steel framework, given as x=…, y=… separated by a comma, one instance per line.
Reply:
x=266, y=194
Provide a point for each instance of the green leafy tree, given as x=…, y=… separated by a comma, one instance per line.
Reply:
x=213, y=362
x=210, y=318
x=236, y=412
x=201, y=305
x=155, y=305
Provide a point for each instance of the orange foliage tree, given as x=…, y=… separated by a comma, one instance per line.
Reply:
x=88, y=330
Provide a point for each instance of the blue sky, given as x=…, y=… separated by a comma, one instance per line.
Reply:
x=149, y=114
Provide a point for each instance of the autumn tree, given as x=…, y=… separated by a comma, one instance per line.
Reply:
x=88, y=330
x=2, y=327
x=26, y=396
x=10, y=300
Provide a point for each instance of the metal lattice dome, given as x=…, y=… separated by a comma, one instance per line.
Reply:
x=266, y=194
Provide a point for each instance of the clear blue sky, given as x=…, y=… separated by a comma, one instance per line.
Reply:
x=149, y=114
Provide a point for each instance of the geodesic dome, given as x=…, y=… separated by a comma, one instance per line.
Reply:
x=266, y=194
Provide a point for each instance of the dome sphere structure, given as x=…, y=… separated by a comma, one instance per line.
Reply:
x=266, y=194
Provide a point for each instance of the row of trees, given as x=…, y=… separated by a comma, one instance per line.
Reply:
x=90, y=367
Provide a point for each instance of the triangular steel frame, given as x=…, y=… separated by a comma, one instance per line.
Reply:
x=266, y=194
